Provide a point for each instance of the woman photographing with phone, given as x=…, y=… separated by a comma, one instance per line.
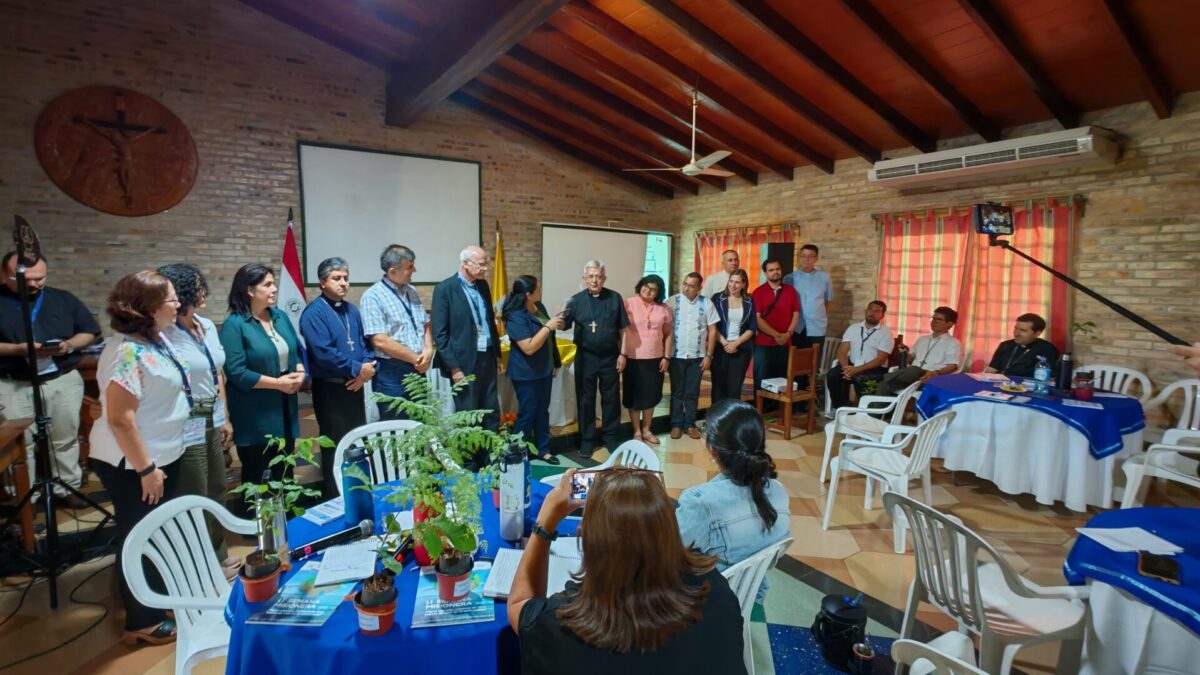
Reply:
x=263, y=369
x=643, y=603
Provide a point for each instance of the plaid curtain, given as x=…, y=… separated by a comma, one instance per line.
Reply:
x=750, y=244
x=932, y=259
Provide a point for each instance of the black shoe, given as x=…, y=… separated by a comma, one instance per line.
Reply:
x=71, y=501
x=586, y=454
x=551, y=459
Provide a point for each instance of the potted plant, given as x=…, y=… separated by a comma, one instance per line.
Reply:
x=376, y=603
x=260, y=575
x=445, y=497
x=275, y=500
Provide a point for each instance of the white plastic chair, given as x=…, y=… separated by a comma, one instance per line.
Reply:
x=377, y=438
x=948, y=654
x=633, y=453
x=961, y=574
x=1177, y=458
x=175, y=538
x=1189, y=412
x=745, y=578
x=1120, y=379
x=884, y=461
x=829, y=352
x=866, y=421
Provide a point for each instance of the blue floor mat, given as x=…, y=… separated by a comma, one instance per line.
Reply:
x=794, y=652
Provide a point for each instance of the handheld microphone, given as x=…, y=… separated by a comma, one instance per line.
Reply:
x=363, y=529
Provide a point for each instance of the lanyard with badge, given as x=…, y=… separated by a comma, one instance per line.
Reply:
x=481, y=331
x=406, y=306
x=45, y=364
x=218, y=413
x=864, y=335
x=193, y=429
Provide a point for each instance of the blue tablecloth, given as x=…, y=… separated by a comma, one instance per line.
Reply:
x=1102, y=428
x=1091, y=560
x=339, y=647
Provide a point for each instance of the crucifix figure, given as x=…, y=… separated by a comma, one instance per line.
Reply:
x=121, y=135
x=592, y=325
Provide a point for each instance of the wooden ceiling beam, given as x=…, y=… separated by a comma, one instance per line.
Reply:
x=1158, y=90
x=394, y=19
x=716, y=45
x=512, y=83
x=775, y=23
x=573, y=135
x=630, y=40
x=463, y=46
x=464, y=99
x=709, y=128
x=950, y=95
x=988, y=18
x=634, y=115
x=287, y=13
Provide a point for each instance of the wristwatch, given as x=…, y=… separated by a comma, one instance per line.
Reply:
x=544, y=533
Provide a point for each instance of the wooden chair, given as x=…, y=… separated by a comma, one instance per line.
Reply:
x=800, y=362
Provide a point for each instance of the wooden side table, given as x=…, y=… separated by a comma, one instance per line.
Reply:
x=12, y=453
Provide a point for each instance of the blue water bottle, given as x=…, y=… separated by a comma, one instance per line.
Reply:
x=360, y=504
x=1041, y=374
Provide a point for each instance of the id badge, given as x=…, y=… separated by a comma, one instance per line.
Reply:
x=218, y=413
x=193, y=432
x=481, y=340
x=46, y=365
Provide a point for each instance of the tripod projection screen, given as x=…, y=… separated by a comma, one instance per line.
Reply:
x=628, y=255
x=355, y=202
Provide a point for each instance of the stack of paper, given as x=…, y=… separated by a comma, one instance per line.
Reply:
x=327, y=512
x=989, y=377
x=565, y=559
x=1127, y=539
x=348, y=562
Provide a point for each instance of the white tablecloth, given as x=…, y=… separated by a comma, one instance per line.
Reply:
x=1125, y=636
x=1025, y=451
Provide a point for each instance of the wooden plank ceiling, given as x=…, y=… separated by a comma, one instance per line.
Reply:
x=782, y=83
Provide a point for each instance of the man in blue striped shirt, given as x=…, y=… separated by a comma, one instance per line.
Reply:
x=397, y=325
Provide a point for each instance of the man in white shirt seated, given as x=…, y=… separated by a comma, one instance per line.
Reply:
x=862, y=356
x=937, y=354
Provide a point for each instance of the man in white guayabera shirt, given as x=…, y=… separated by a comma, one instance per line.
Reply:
x=695, y=324
x=939, y=353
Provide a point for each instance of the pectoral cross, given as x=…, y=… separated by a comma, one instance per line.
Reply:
x=350, y=342
x=593, y=326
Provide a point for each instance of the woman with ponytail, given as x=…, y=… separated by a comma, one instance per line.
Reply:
x=743, y=509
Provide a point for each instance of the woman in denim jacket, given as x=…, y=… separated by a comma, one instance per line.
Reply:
x=744, y=509
x=736, y=326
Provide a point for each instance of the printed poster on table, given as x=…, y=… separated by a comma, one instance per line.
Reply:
x=429, y=610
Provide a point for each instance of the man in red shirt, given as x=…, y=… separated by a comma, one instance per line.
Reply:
x=778, y=309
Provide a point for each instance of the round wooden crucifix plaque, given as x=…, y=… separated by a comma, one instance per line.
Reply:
x=116, y=151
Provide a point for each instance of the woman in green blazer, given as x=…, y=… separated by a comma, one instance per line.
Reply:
x=264, y=368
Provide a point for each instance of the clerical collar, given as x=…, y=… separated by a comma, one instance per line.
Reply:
x=336, y=304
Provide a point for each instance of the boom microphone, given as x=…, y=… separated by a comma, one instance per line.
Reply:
x=363, y=529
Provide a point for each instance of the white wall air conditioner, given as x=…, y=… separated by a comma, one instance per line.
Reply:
x=1055, y=150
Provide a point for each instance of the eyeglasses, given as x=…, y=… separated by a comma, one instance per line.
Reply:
x=481, y=265
x=171, y=301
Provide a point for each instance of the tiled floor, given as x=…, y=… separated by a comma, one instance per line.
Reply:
x=856, y=551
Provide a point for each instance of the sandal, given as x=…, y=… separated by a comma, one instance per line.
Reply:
x=551, y=459
x=162, y=634
x=649, y=438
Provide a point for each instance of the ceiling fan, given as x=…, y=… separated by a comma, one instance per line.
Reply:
x=702, y=166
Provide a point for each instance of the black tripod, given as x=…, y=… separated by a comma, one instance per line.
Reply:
x=48, y=562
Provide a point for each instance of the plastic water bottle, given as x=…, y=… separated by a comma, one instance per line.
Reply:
x=360, y=503
x=515, y=491
x=1041, y=374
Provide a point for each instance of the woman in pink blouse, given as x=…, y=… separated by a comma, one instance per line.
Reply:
x=646, y=344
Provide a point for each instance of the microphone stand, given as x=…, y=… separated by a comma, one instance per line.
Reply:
x=46, y=564
x=994, y=240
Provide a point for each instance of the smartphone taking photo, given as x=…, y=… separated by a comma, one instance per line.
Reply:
x=581, y=484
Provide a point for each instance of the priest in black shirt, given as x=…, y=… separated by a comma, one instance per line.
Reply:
x=598, y=315
x=62, y=328
x=1019, y=356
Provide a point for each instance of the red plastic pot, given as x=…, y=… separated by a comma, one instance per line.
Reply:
x=496, y=498
x=453, y=588
x=421, y=514
x=262, y=588
x=375, y=620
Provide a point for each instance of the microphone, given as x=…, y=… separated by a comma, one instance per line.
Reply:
x=363, y=529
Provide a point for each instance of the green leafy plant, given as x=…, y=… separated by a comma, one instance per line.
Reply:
x=282, y=496
x=436, y=483
x=869, y=387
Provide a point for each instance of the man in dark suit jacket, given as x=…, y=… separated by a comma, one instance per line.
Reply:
x=464, y=332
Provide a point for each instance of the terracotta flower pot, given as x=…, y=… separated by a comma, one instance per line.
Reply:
x=260, y=589
x=455, y=583
x=420, y=514
x=375, y=620
x=496, y=498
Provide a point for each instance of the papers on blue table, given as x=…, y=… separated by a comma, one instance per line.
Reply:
x=429, y=610
x=994, y=395
x=1073, y=403
x=348, y=562
x=301, y=602
x=565, y=559
x=326, y=513
x=1129, y=539
x=989, y=377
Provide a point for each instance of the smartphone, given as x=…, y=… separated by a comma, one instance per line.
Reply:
x=1159, y=567
x=581, y=484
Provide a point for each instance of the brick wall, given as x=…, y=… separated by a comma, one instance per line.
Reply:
x=1138, y=240
x=248, y=86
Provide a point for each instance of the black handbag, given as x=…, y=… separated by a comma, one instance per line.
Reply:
x=839, y=625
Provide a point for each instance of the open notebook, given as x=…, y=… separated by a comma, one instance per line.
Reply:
x=565, y=558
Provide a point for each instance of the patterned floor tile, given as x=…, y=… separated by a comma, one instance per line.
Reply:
x=811, y=541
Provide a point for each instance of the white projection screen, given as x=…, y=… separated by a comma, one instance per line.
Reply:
x=628, y=255
x=356, y=201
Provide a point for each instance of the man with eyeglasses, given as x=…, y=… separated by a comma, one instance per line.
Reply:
x=464, y=332
x=62, y=328
x=938, y=353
